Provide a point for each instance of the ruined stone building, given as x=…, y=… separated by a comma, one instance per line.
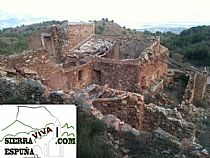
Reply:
x=72, y=56
x=113, y=72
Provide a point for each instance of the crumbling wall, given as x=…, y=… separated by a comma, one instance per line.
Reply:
x=170, y=120
x=190, y=89
x=114, y=52
x=128, y=74
x=151, y=71
x=200, y=87
x=38, y=62
x=130, y=49
x=132, y=74
x=195, y=89
x=78, y=76
x=34, y=41
x=118, y=75
x=77, y=33
x=50, y=39
x=128, y=107
x=153, y=64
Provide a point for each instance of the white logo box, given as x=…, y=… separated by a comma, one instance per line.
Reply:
x=43, y=131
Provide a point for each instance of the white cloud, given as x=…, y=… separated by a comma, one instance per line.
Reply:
x=126, y=12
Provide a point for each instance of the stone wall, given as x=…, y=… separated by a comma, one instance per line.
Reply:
x=170, y=120
x=132, y=75
x=134, y=72
x=127, y=49
x=59, y=40
x=51, y=74
x=195, y=89
x=50, y=39
x=153, y=64
x=77, y=33
x=190, y=89
x=78, y=76
x=151, y=71
x=118, y=75
x=200, y=87
x=115, y=52
x=128, y=107
x=34, y=41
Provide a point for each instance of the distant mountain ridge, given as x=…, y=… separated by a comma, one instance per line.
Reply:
x=170, y=27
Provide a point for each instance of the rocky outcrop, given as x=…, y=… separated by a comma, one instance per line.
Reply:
x=16, y=91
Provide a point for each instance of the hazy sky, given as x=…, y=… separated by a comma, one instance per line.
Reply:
x=131, y=13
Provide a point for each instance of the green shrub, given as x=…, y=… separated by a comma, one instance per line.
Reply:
x=90, y=139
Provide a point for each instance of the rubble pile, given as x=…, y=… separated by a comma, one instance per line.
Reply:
x=170, y=120
x=95, y=46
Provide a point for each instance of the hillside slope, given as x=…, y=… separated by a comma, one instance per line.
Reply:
x=14, y=40
x=105, y=27
x=191, y=45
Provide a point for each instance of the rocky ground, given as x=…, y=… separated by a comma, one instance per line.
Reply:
x=181, y=132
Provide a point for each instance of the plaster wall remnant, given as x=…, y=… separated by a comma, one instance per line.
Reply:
x=208, y=80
